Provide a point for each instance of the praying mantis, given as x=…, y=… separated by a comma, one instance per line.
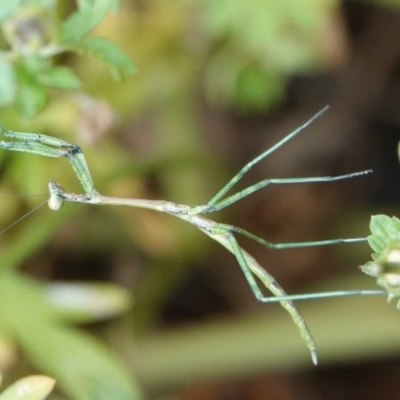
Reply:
x=224, y=234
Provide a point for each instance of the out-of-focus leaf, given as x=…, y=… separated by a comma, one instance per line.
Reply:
x=88, y=302
x=35, y=387
x=89, y=15
x=257, y=89
x=8, y=8
x=59, y=78
x=31, y=100
x=85, y=5
x=284, y=34
x=29, y=67
x=108, y=52
x=84, y=368
x=43, y=3
x=278, y=37
x=231, y=80
x=7, y=82
x=8, y=350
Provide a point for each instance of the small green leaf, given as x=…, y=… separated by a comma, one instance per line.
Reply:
x=379, y=226
x=372, y=268
x=31, y=100
x=81, y=22
x=257, y=89
x=7, y=82
x=384, y=232
x=36, y=387
x=108, y=52
x=59, y=78
x=396, y=224
x=376, y=243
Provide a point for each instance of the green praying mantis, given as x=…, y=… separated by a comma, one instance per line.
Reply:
x=224, y=234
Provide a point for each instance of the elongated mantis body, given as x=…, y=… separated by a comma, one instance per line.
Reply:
x=222, y=233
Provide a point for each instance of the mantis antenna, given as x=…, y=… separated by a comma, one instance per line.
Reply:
x=224, y=234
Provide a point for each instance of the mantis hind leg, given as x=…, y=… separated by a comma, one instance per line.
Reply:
x=250, y=268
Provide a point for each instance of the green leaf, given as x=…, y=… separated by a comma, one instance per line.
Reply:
x=43, y=3
x=396, y=224
x=31, y=100
x=258, y=89
x=385, y=241
x=84, y=368
x=380, y=225
x=59, y=78
x=108, y=52
x=7, y=82
x=376, y=243
x=8, y=9
x=35, y=387
x=27, y=70
x=81, y=22
x=384, y=232
x=372, y=268
x=87, y=4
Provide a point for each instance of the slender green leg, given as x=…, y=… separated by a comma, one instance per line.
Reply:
x=277, y=290
x=250, y=266
x=323, y=295
x=283, y=181
x=270, y=282
x=251, y=164
x=296, y=245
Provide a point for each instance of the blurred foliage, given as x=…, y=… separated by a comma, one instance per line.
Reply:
x=35, y=387
x=261, y=44
x=35, y=318
x=242, y=52
x=33, y=34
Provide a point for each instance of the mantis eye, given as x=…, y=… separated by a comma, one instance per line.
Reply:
x=56, y=199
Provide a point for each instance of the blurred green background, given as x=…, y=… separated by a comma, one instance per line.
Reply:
x=217, y=82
